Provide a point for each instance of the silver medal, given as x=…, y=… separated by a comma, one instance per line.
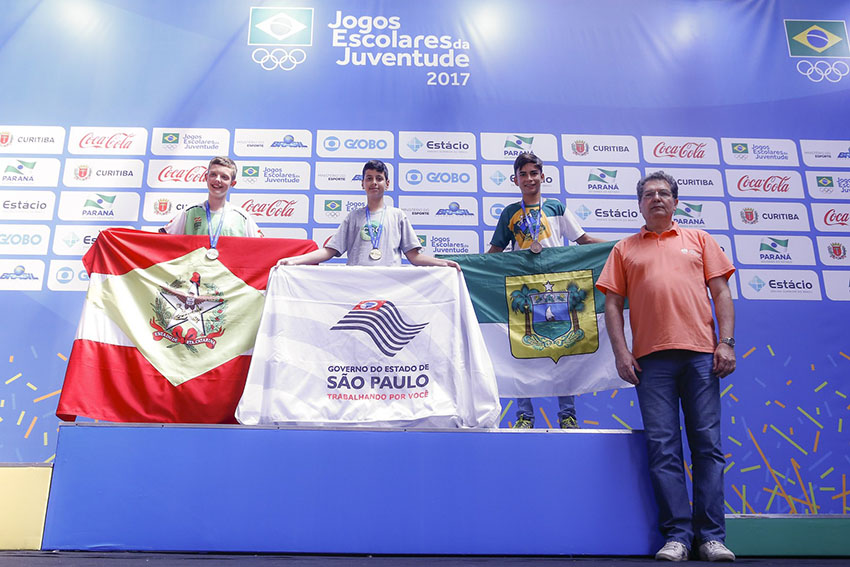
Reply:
x=375, y=254
x=212, y=254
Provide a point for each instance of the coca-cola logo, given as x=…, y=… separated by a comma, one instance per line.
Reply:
x=197, y=174
x=278, y=208
x=117, y=141
x=833, y=217
x=771, y=184
x=691, y=150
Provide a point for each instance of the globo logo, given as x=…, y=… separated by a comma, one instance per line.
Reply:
x=447, y=177
x=331, y=143
x=361, y=144
x=414, y=177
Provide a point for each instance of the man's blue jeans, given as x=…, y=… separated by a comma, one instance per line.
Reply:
x=566, y=407
x=668, y=377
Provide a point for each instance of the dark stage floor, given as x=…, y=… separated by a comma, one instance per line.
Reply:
x=86, y=559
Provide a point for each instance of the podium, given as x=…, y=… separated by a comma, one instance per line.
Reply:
x=389, y=491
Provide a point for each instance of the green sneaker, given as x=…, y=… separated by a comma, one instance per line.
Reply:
x=523, y=423
x=568, y=422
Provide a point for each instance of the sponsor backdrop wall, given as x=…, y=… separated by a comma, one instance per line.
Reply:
x=110, y=110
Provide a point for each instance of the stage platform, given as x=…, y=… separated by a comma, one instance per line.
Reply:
x=350, y=491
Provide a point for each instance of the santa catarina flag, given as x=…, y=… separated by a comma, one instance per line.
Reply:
x=543, y=320
x=166, y=332
x=372, y=346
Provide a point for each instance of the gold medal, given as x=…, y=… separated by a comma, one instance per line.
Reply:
x=212, y=254
x=536, y=247
x=375, y=254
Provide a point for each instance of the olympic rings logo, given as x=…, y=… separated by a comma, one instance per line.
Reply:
x=286, y=60
x=820, y=70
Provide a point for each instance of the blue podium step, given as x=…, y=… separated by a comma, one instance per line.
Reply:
x=295, y=490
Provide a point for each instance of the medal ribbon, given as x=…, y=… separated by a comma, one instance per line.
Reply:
x=214, y=236
x=375, y=234
x=532, y=228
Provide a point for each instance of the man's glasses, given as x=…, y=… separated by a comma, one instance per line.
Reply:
x=663, y=193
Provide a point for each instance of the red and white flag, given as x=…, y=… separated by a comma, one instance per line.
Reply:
x=166, y=333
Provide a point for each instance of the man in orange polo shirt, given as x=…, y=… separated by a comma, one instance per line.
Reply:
x=675, y=357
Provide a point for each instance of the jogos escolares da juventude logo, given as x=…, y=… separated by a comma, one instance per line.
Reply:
x=189, y=312
x=820, y=47
x=278, y=35
x=552, y=315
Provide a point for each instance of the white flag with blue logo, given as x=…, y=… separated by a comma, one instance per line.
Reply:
x=372, y=346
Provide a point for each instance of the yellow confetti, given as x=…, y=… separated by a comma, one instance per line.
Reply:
x=546, y=417
x=31, y=386
x=45, y=438
x=51, y=394
x=623, y=423
x=729, y=466
x=12, y=358
x=62, y=356
x=826, y=488
x=21, y=417
x=29, y=429
x=769, y=348
x=802, y=411
x=726, y=389
x=827, y=473
x=13, y=378
x=840, y=421
x=819, y=388
x=733, y=420
x=789, y=439
x=840, y=394
x=753, y=468
x=50, y=458
x=735, y=441
x=501, y=417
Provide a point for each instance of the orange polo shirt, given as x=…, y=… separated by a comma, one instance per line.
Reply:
x=664, y=278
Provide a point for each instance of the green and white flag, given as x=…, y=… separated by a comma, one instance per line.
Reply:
x=543, y=320
x=774, y=244
x=520, y=142
x=602, y=176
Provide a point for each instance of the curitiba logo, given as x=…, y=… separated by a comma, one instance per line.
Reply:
x=189, y=313
x=551, y=320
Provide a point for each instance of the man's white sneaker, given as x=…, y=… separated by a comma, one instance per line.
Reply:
x=672, y=551
x=715, y=551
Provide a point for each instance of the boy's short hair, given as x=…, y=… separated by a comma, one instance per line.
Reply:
x=526, y=158
x=377, y=165
x=225, y=161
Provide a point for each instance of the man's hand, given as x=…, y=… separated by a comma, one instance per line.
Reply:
x=626, y=366
x=724, y=360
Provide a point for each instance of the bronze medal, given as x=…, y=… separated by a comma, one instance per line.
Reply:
x=536, y=247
